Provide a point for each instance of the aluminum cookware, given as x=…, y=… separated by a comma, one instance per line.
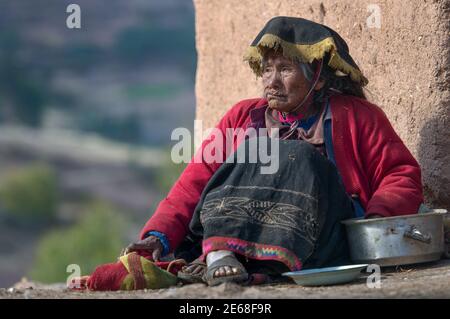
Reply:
x=398, y=240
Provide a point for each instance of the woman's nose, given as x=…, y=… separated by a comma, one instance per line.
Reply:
x=274, y=79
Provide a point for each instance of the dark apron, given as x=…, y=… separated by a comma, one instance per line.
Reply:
x=292, y=216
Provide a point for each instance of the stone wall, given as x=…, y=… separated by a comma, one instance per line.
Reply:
x=406, y=62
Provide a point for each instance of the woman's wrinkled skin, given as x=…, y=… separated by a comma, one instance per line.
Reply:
x=194, y=269
x=285, y=85
x=151, y=244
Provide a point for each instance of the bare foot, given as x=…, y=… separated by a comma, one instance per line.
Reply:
x=193, y=269
x=226, y=271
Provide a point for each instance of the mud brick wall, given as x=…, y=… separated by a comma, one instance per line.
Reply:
x=406, y=61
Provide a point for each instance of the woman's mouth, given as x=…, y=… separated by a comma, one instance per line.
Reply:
x=275, y=96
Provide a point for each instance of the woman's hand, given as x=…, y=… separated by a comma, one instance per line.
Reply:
x=151, y=244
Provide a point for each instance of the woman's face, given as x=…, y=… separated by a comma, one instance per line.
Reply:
x=285, y=86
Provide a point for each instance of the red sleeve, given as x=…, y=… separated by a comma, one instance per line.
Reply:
x=394, y=175
x=174, y=213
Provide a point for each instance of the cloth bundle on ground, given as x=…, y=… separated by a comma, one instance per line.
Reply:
x=133, y=272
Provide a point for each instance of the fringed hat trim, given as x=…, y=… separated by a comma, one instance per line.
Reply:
x=305, y=53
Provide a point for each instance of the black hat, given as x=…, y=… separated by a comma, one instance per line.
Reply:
x=304, y=41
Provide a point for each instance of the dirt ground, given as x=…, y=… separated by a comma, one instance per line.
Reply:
x=431, y=280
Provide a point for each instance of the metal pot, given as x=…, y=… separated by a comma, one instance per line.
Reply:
x=398, y=240
x=447, y=235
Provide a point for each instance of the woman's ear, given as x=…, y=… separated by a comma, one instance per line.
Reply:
x=319, y=84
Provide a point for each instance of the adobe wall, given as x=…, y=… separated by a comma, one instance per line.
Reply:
x=406, y=62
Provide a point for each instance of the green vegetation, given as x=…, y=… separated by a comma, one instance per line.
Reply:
x=97, y=238
x=21, y=83
x=157, y=91
x=126, y=129
x=168, y=174
x=30, y=194
x=82, y=56
x=141, y=42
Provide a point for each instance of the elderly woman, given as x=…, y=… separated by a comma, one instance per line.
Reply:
x=339, y=158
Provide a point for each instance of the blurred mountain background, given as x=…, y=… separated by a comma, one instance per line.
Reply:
x=85, y=122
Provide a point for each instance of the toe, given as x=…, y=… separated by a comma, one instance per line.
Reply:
x=228, y=270
x=222, y=271
x=197, y=270
x=187, y=269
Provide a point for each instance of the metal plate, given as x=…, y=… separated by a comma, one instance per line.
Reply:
x=326, y=276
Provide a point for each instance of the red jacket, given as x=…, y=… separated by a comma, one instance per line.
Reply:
x=371, y=158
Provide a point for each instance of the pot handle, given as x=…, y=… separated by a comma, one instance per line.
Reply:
x=447, y=244
x=414, y=233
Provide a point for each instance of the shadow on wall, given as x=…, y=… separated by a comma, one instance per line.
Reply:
x=434, y=158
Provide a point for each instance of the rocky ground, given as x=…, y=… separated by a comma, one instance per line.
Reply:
x=430, y=280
